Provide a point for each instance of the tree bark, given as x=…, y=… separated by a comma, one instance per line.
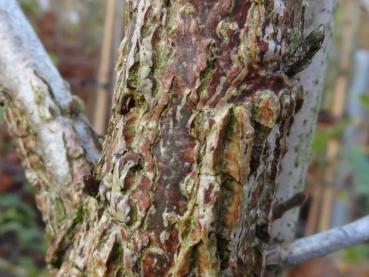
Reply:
x=50, y=132
x=201, y=114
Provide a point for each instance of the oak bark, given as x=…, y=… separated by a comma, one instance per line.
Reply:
x=187, y=176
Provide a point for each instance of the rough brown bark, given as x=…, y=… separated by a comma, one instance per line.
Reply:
x=201, y=113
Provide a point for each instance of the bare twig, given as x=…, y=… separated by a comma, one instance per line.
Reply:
x=318, y=245
x=294, y=201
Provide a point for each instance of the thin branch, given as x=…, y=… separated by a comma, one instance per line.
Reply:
x=23, y=60
x=293, y=202
x=319, y=245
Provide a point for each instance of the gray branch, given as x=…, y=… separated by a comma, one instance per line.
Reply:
x=291, y=179
x=319, y=245
x=26, y=68
x=57, y=145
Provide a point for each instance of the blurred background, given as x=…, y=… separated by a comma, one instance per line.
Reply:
x=82, y=38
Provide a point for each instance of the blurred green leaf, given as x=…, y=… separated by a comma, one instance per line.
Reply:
x=342, y=195
x=31, y=6
x=11, y=214
x=1, y=115
x=25, y=234
x=364, y=99
x=19, y=219
x=31, y=267
x=13, y=201
x=323, y=136
x=54, y=57
x=356, y=254
x=360, y=167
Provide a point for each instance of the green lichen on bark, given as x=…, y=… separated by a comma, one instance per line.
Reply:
x=59, y=202
x=201, y=114
x=188, y=171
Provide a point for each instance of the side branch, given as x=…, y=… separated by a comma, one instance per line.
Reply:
x=319, y=245
x=50, y=132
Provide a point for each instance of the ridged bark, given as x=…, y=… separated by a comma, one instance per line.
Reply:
x=201, y=113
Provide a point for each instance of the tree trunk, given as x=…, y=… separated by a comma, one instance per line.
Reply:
x=201, y=114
